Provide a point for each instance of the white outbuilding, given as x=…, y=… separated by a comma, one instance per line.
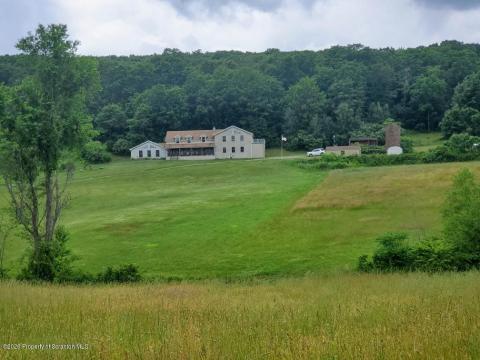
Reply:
x=148, y=150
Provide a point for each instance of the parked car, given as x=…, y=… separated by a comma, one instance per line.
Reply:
x=316, y=152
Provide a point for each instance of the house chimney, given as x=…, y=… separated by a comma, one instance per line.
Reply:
x=214, y=128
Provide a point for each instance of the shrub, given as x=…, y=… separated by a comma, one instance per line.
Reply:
x=121, y=274
x=94, y=152
x=434, y=255
x=3, y=274
x=369, y=150
x=54, y=260
x=461, y=215
x=393, y=253
x=396, y=253
x=407, y=144
x=121, y=147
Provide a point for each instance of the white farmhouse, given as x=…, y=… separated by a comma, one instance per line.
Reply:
x=229, y=143
x=148, y=150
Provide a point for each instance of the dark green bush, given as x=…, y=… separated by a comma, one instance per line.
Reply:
x=434, y=255
x=370, y=150
x=121, y=274
x=3, y=274
x=393, y=253
x=396, y=252
x=407, y=144
x=121, y=147
x=94, y=152
x=53, y=261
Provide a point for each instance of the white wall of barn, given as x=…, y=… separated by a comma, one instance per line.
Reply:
x=143, y=151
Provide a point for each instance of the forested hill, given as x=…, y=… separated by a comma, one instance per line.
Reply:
x=312, y=94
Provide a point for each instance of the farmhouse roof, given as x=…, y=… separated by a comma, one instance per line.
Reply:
x=195, y=133
x=233, y=126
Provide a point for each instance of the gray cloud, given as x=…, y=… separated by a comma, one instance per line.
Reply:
x=450, y=4
x=19, y=17
x=189, y=6
x=125, y=27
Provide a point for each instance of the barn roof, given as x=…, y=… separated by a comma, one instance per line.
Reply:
x=147, y=142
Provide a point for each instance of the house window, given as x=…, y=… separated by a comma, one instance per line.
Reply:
x=242, y=149
x=189, y=139
x=241, y=138
x=233, y=149
x=177, y=139
x=157, y=153
x=233, y=137
x=224, y=150
x=149, y=153
x=204, y=139
x=224, y=139
x=140, y=153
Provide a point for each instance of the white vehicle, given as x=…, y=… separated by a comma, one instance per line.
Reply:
x=316, y=152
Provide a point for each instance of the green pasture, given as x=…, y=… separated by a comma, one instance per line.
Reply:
x=235, y=219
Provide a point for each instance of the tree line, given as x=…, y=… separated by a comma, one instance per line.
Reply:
x=312, y=97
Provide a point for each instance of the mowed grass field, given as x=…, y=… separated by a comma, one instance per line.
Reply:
x=349, y=316
x=238, y=219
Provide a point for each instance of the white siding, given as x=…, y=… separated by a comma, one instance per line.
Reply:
x=236, y=138
x=156, y=151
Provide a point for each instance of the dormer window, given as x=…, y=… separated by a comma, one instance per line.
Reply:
x=189, y=139
x=203, y=138
x=177, y=139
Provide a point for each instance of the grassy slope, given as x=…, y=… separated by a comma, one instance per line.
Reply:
x=400, y=316
x=178, y=218
x=425, y=141
x=243, y=218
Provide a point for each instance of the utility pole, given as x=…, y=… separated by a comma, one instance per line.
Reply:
x=281, y=146
x=282, y=139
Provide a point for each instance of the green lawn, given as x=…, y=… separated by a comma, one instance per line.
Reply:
x=195, y=219
x=243, y=218
x=277, y=152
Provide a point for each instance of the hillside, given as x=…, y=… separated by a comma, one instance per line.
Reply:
x=243, y=218
x=271, y=93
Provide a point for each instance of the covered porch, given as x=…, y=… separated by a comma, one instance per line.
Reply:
x=192, y=153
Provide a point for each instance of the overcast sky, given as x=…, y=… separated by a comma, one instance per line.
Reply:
x=124, y=27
